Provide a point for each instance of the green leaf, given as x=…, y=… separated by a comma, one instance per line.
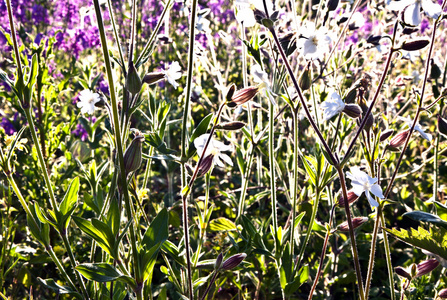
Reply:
x=157, y=231
x=221, y=224
x=103, y=272
x=300, y=278
x=113, y=216
x=69, y=203
x=60, y=289
x=147, y=263
x=309, y=169
x=426, y=217
x=102, y=238
x=441, y=210
x=434, y=241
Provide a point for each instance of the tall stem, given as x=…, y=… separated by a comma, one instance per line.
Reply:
x=245, y=181
x=295, y=183
x=373, y=251
x=272, y=171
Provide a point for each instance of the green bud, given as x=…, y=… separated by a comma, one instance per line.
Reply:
x=218, y=262
x=132, y=156
x=230, y=92
x=306, y=79
x=133, y=80
x=435, y=71
x=153, y=77
x=205, y=165
x=231, y=125
x=351, y=96
x=386, y=134
x=402, y=272
x=352, y=110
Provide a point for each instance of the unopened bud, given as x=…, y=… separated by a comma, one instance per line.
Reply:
x=230, y=92
x=352, y=110
x=402, y=272
x=306, y=78
x=374, y=39
x=369, y=122
x=442, y=125
x=132, y=156
x=205, y=165
x=352, y=197
x=288, y=43
x=435, y=71
x=101, y=102
x=231, y=125
x=443, y=294
x=351, y=96
x=218, y=262
x=399, y=139
x=133, y=80
x=242, y=96
x=332, y=5
x=153, y=77
x=415, y=45
x=386, y=134
x=426, y=267
x=356, y=222
x=233, y=261
x=409, y=30
x=413, y=270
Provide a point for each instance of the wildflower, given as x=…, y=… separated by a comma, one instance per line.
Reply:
x=418, y=128
x=246, y=17
x=233, y=261
x=362, y=182
x=411, y=10
x=399, y=139
x=259, y=76
x=356, y=222
x=214, y=148
x=87, y=101
x=333, y=106
x=173, y=73
x=314, y=43
x=242, y=96
x=426, y=266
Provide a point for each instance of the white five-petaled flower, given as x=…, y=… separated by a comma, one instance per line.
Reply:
x=314, y=42
x=261, y=77
x=362, y=182
x=214, y=148
x=173, y=73
x=412, y=10
x=87, y=101
x=333, y=106
x=417, y=127
x=245, y=14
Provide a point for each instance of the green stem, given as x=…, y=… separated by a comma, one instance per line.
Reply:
x=115, y=33
x=245, y=181
x=118, y=140
x=295, y=183
x=148, y=167
x=272, y=172
x=388, y=257
x=373, y=251
x=54, y=258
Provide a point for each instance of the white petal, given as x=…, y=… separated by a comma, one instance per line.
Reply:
x=358, y=189
x=377, y=190
x=246, y=17
x=226, y=159
x=218, y=162
x=433, y=10
x=399, y=5
x=426, y=136
x=412, y=14
x=372, y=201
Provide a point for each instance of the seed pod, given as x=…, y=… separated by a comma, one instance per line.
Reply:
x=356, y=222
x=414, y=45
x=442, y=125
x=402, y=272
x=386, y=134
x=133, y=80
x=399, y=139
x=352, y=197
x=426, y=267
x=231, y=125
x=242, y=96
x=233, y=261
x=132, y=156
x=352, y=110
x=305, y=78
x=153, y=77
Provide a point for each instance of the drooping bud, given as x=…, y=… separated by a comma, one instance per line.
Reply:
x=233, y=261
x=356, y=222
x=205, y=165
x=399, y=139
x=352, y=110
x=386, y=134
x=231, y=125
x=442, y=125
x=352, y=197
x=133, y=80
x=443, y=294
x=374, y=39
x=306, y=78
x=242, y=96
x=218, y=262
x=153, y=77
x=332, y=5
x=426, y=267
x=435, y=71
x=132, y=156
x=414, y=45
x=402, y=272
x=351, y=96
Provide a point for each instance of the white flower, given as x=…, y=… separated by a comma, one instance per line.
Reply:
x=261, y=77
x=362, y=182
x=412, y=10
x=214, y=148
x=333, y=106
x=417, y=127
x=173, y=73
x=246, y=17
x=245, y=14
x=314, y=43
x=87, y=101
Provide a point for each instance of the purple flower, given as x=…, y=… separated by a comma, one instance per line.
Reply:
x=7, y=126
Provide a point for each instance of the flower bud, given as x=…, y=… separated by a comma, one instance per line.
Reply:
x=442, y=125
x=352, y=197
x=369, y=122
x=153, y=77
x=435, y=71
x=413, y=270
x=443, y=294
x=414, y=45
x=306, y=79
x=132, y=156
x=230, y=92
x=399, y=139
x=332, y=5
x=351, y=96
x=218, y=262
x=233, y=261
x=231, y=125
x=409, y=30
x=402, y=272
x=386, y=134
x=242, y=96
x=356, y=222
x=205, y=165
x=352, y=110
x=374, y=39
x=133, y=80
x=426, y=267
x=288, y=43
